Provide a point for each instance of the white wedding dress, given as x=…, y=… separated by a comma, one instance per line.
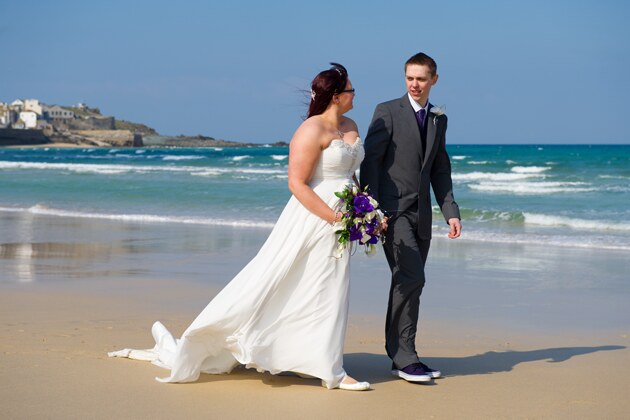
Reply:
x=287, y=310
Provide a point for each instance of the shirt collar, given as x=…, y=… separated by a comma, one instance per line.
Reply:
x=416, y=106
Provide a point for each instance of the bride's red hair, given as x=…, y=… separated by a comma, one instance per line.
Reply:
x=324, y=86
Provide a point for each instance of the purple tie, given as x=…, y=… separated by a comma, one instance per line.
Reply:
x=420, y=117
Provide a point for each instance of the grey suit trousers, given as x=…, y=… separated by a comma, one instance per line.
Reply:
x=406, y=254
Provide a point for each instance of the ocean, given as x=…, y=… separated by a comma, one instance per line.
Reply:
x=561, y=195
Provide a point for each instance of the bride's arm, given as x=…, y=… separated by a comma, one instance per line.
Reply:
x=304, y=152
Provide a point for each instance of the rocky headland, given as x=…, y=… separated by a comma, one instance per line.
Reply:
x=196, y=141
x=87, y=127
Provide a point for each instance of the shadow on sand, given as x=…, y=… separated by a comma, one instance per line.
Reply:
x=375, y=368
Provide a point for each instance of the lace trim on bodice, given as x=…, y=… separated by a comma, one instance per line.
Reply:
x=339, y=160
x=352, y=148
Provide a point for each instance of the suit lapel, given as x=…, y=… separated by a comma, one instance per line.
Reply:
x=431, y=132
x=411, y=124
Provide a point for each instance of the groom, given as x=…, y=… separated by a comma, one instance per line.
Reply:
x=405, y=153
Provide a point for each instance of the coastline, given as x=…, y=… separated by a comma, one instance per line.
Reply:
x=109, y=138
x=502, y=325
x=50, y=146
x=59, y=145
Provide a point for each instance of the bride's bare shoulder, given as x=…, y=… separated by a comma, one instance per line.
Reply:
x=349, y=126
x=349, y=123
x=310, y=131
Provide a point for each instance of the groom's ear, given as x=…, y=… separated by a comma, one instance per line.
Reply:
x=435, y=79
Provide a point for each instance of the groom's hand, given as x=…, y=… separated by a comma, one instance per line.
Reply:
x=456, y=228
x=384, y=224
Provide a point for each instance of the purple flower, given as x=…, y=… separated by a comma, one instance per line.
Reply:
x=369, y=228
x=356, y=225
x=355, y=233
x=362, y=204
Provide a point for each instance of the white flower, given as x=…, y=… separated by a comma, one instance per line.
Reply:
x=312, y=95
x=339, y=251
x=437, y=111
x=337, y=225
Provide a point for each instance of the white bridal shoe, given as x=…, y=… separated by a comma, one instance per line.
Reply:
x=358, y=386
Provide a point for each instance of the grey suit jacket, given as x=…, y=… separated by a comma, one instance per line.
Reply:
x=397, y=172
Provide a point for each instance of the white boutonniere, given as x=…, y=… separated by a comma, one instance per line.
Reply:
x=437, y=111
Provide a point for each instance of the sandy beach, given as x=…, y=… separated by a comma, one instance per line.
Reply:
x=519, y=331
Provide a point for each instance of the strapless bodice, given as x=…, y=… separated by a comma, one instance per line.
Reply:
x=339, y=160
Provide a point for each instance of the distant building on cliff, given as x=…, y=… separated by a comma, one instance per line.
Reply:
x=4, y=115
x=29, y=119
x=56, y=112
x=33, y=114
x=33, y=105
x=7, y=115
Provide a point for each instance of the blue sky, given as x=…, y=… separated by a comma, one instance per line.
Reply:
x=510, y=71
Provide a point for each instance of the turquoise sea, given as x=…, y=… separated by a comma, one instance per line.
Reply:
x=561, y=195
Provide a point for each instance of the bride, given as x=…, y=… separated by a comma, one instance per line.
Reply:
x=286, y=311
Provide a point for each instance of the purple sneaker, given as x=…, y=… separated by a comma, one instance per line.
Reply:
x=431, y=372
x=412, y=373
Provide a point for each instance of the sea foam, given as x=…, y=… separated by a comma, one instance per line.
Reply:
x=141, y=218
x=183, y=157
x=123, y=168
x=239, y=158
x=573, y=223
x=493, y=176
x=532, y=188
x=530, y=169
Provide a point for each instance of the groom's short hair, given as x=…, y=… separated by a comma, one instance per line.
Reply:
x=422, y=59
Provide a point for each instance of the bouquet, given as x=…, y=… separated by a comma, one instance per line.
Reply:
x=361, y=220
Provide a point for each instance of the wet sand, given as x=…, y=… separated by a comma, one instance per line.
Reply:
x=518, y=331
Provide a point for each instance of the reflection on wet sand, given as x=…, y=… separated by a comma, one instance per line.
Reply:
x=22, y=254
x=45, y=248
x=53, y=250
x=24, y=261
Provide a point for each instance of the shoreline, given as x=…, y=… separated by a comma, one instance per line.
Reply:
x=92, y=146
x=152, y=248
x=473, y=236
x=54, y=146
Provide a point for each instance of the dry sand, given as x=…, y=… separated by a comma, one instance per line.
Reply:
x=53, y=364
